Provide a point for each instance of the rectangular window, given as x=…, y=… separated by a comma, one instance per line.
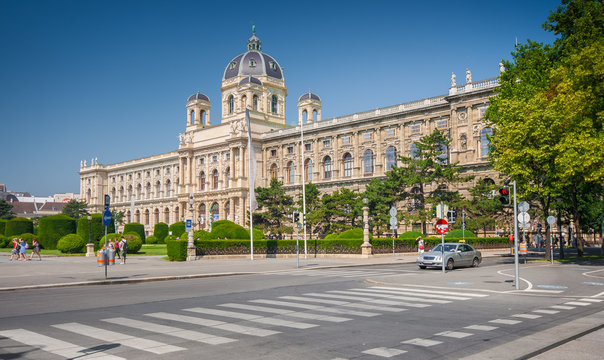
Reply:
x=345, y=139
x=273, y=153
x=367, y=136
x=416, y=129
x=214, y=158
x=290, y=149
x=390, y=132
x=441, y=124
x=326, y=143
x=307, y=147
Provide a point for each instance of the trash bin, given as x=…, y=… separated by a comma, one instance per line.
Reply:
x=101, y=258
x=110, y=256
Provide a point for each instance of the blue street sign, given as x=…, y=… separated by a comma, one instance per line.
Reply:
x=106, y=217
x=188, y=225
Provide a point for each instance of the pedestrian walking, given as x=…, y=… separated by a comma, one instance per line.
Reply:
x=116, y=247
x=420, y=245
x=35, y=249
x=15, y=252
x=123, y=250
x=22, y=250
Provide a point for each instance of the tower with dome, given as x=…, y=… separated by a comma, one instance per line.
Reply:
x=210, y=162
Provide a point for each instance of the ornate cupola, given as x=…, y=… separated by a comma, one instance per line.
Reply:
x=254, y=43
x=198, y=111
x=309, y=104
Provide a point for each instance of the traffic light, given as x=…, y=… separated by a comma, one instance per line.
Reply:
x=296, y=217
x=434, y=211
x=504, y=195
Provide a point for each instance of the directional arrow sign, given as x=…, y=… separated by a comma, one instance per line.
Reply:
x=442, y=226
x=106, y=218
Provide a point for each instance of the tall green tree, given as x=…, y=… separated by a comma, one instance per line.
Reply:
x=341, y=210
x=483, y=209
x=274, y=207
x=6, y=210
x=75, y=209
x=314, y=213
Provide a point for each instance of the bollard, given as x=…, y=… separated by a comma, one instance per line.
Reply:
x=110, y=256
x=102, y=257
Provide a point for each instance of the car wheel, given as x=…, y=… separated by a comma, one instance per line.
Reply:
x=450, y=264
x=422, y=266
x=475, y=262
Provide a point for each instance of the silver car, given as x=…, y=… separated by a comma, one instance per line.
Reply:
x=455, y=254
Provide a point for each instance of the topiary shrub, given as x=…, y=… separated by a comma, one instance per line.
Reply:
x=4, y=241
x=2, y=226
x=71, y=244
x=160, y=231
x=97, y=229
x=457, y=234
x=134, y=242
x=331, y=237
x=178, y=228
x=258, y=234
x=352, y=234
x=228, y=229
x=110, y=237
x=170, y=237
x=137, y=228
x=151, y=240
x=410, y=235
x=202, y=235
x=18, y=226
x=177, y=250
x=52, y=228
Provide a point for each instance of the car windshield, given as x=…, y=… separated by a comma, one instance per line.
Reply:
x=448, y=248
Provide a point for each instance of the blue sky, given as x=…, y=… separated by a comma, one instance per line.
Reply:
x=110, y=79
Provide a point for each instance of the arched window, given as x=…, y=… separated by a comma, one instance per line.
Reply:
x=147, y=217
x=243, y=102
x=227, y=210
x=139, y=192
x=485, y=141
x=231, y=104
x=202, y=216
x=416, y=199
x=255, y=102
x=168, y=188
x=148, y=191
x=414, y=152
x=192, y=117
x=347, y=165
x=368, y=161
x=167, y=215
x=113, y=194
x=157, y=188
x=215, y=179
x=128, y=217
x=308, y=170
x=121, y=193
x=202, y=181
x=129, y=193
x=327, y=167
x=202, y=118
x=304, y=117
x=291, y=172
x=215, y=212
x=274, y=173
x=137, y=216
x=274, y=104
x=314, y=116
x=227, y=177
x=390, y=157
x=156, y=217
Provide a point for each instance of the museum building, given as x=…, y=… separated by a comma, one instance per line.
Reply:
x=211, y=162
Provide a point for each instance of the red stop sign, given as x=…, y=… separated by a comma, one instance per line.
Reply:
x=442, y=226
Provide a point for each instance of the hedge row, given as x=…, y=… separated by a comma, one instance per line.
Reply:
x=18, y=226
x=52, y=228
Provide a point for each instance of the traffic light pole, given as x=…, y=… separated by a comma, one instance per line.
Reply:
x=442, y=212
x=517, y=277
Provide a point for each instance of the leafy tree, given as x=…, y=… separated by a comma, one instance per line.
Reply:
x=75, y=209
x=6, y=210
x=276, y=207
x=314, y=213
x=340, y=210
x=483, y=210
x=380, y=196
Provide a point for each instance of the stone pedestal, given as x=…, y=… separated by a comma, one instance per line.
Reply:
x=366, y=250
x=89, y=249
x=191, y=253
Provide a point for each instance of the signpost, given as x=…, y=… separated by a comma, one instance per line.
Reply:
x=188, y=225
x=441, y=227
x=551, y=221
x=106, y=222
x=393, y=222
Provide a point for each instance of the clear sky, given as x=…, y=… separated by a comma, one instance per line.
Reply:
x=110, y=79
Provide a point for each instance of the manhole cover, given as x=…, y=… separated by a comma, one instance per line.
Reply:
x=552, y=287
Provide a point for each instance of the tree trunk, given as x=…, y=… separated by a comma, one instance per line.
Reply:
x=602, y=228
x=576, y=220
x=548, y=241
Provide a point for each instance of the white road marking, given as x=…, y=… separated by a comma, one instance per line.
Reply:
x=254, y=318
x=430, y=291
x=384, y=352
x=481, y=327
x=290, y=313
x=56, y=346
x=155, y=347
x=578, y=303
x=527, y=316
x=591, y=300
x=530, y=285
x=454, y=334
x=368, y=299
x=562, y=307
x=236, y=328
x=421, y=295
x=171, y=331
x=421, y=342
x=315, y=307
x=549, y=312
x=505, y=321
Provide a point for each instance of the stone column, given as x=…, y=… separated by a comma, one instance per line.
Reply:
x=191, y=250
x=366, y=248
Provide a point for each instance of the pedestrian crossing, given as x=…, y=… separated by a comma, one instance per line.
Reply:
x=342, y=273
x=163, y=333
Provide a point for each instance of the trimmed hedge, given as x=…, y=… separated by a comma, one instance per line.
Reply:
x=110, y=237
x=160, y=231
x=201, y=235
x=137, y=228
x=410, y=235
x=4, y=241
x=228, y=229
x=151, y=240
x=2, y=226
x=18, y=226
x=178, y=228
x=352, y=234
x=52, y=228
x=134, y=242
x=71, y=244
x=97, y=227
x=177, y=249
x=458, y=234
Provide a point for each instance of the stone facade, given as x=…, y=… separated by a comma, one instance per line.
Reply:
x=211, y=160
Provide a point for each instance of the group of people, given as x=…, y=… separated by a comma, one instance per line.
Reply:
x=20, y=247
x=120, y=247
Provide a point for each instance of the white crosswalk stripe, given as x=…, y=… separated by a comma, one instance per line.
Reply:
x=253, y=318
x=422, y=342
x=56, y=346
x=336, y=273
x=481, y=327
x=316, y=308
x=505, y=321
x=289, y=313
x=349, y=304
x=421, y=295
x=578, y=303
x=591, y=300
x=171, y=331
x=365, y=298
x=454, y=334
x=384, y=352
x=391, y=297
x=430, y=291
x=235, y=328
x=548, y=312
x=155, y=347
x=562, y=307
x=527, y=316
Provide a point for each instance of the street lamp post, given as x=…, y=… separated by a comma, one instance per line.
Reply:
x=90, y=245
x=191, y=250
x=366, y=248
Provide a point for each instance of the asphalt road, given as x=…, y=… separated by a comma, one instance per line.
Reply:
x=350, y=313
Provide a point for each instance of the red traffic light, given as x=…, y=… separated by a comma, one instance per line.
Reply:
x=504, y=191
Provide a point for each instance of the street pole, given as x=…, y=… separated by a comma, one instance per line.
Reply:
x=463, y=226
x=106, y=256
x=442, y=238
x=297, y=245
x=517, y=277
x=303, y=187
